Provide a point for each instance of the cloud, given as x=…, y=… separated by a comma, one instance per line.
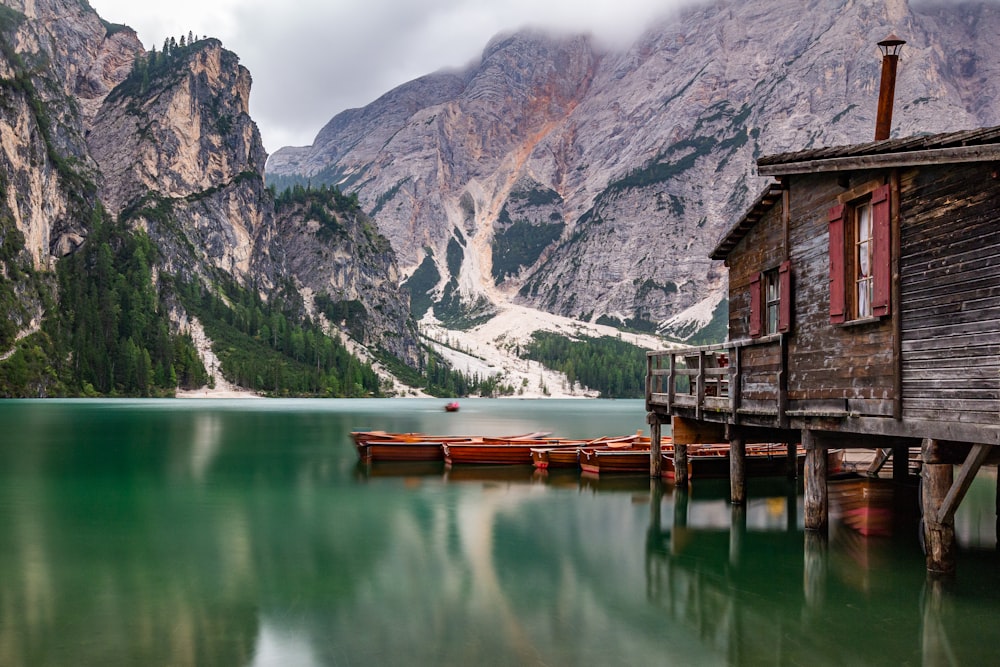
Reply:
x=311, y=59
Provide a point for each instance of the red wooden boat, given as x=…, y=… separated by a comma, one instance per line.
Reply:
x=567, y=457
x=712, y=461
x=451, y=407
x=383, y=446
x=509, y=451
x=603, y=460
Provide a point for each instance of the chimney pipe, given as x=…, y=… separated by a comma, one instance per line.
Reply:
x=890, y=47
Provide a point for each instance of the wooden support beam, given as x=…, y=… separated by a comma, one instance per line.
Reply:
x=900, y=464
x=939, y=537
x=655, y=433
x=693, y=432
x=783, y=382
x=966, y=474
x=881, y=456
x=737, y=472
x=816, y=499
x=791, y=460
x=680, y=466
x=735, y=383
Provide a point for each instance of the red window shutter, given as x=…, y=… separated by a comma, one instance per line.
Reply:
x=756, y=312
x=838, y=305
x=881, y=252
x=785, y=294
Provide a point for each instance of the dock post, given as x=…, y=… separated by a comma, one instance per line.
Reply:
x=655, y=434
x=680, y=466
x=816, y=501
x=900, y=464
x=939, y=536
x=792, y=460
x=737, y=471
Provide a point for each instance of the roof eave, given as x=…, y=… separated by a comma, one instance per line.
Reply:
x=982, y=153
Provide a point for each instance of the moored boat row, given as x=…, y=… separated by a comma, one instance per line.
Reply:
x=604, y=455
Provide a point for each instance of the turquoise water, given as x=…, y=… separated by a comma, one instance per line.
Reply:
x=245, y=533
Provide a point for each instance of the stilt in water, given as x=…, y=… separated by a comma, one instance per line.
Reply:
x=737, y=471
x=939, y=537
x=655, y=433
x=816, y=500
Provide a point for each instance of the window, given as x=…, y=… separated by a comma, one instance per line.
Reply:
x=771, y=301
x=861, y=264
x=860, y=257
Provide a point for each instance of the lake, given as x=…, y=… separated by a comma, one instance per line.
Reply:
x=244, y=532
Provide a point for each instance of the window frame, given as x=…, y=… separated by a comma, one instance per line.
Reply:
x=780, y=279
x=845, y=306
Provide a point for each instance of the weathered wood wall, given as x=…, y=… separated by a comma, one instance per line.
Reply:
x=950, y=282
x=760, y=250
x=831, y=363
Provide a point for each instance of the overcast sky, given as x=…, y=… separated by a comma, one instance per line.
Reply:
x=311, y=59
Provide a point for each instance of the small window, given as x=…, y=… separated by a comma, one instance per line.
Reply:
x=861, y=264
x=860, y=257
x=772, y=301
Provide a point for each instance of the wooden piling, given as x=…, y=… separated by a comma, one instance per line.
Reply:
x=655, y=433
x=737, y=471
x=791, y=460
x=680, y=466
x=816, y=501
x=939, y=535
x=900, y=464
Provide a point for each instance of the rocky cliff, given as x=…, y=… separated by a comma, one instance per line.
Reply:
x=92, y=125
x=593, y=183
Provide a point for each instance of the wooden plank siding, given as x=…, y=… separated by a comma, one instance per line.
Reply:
x=825, y=363
x=830, y=363
x=762, y=249
x=950, y=281
x=929, y=368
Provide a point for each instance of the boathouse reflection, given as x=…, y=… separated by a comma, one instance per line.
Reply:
x=749, y=589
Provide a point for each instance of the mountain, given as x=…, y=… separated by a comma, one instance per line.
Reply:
x=592, y=183
x=555, y=184
x=134, y=217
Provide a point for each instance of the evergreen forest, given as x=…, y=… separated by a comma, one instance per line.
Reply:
x=609, y=365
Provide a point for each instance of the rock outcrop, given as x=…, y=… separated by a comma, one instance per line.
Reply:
x=594, y=183
x=164, y=142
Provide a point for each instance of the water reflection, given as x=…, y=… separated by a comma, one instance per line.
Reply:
x=219, y=535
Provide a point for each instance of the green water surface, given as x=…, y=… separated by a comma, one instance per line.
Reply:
x=244, y=532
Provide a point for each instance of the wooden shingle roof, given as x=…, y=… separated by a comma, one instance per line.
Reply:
x=980, y=145
x=757, y=210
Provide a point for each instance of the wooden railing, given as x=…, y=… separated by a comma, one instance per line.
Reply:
x=710, y=378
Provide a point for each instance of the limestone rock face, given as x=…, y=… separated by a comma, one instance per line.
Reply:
x=165, y=144
x=185, y=140
x=648, y=152
x=350, y=271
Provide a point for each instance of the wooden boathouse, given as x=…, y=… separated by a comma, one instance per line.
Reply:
x=864, y=312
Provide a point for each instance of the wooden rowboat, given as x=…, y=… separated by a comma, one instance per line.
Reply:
x=384, y=446
x=770, y=460
x=598, y=461
x=493, y=451
x=565, y=457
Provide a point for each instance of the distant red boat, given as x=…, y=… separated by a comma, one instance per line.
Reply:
x=451, y=407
